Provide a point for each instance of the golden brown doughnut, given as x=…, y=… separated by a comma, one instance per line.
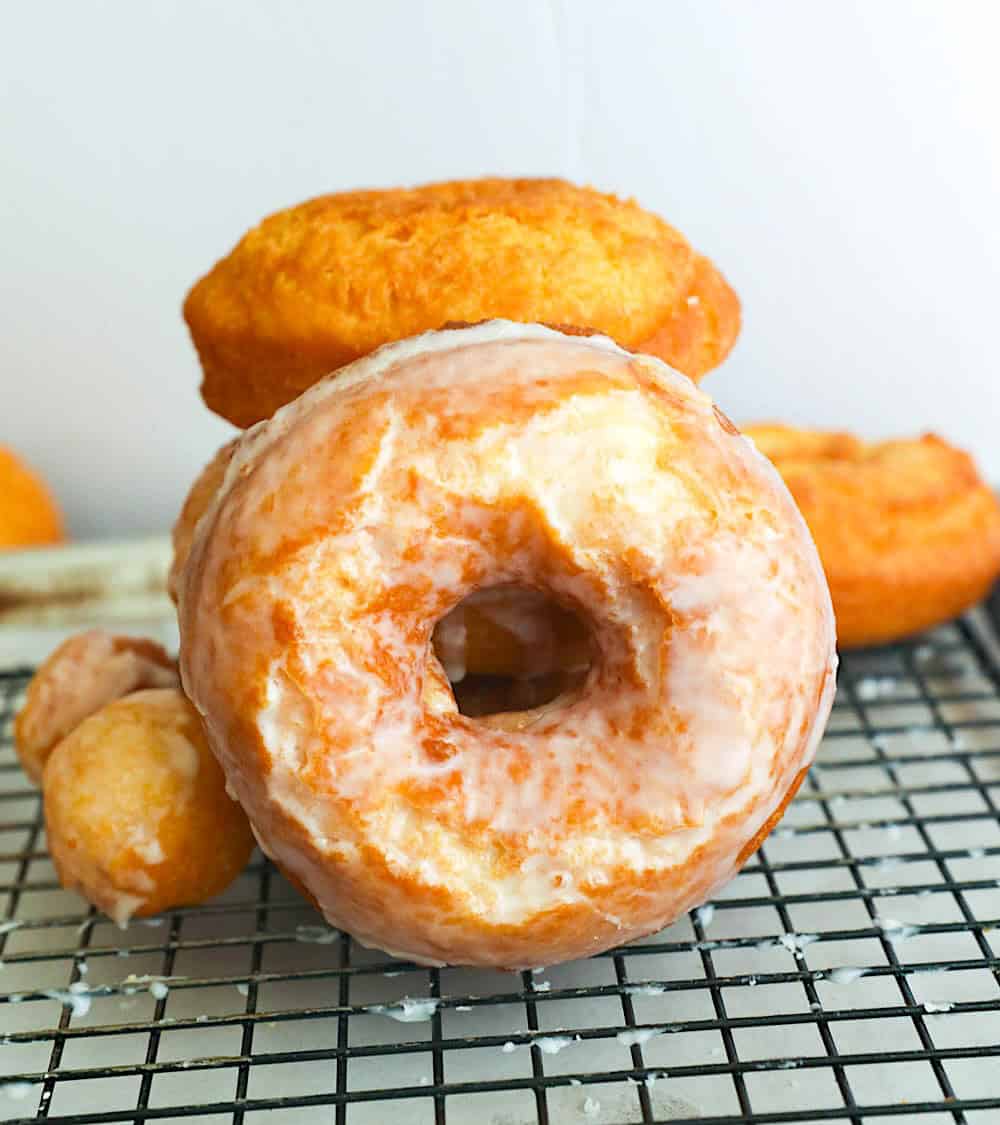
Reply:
x=83, y=674
x=136, y=811
x=318, y=285
x=360, y=515
x=29, y=516
x=203, y=491
x=908, y=532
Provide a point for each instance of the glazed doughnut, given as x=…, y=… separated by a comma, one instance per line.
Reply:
x=360, y=515
x=908, y=532
x=321, y=284
x=136, y=812
x=83, y=674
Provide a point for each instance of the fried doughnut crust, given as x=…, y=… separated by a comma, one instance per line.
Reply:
x=318, y=285
x=908, y=532
x=136, y=810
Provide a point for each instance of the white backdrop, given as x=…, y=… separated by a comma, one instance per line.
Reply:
x=841, y=162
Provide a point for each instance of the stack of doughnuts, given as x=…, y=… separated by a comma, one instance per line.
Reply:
x=508, y=644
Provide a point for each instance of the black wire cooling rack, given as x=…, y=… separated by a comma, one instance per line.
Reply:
x=848, y=974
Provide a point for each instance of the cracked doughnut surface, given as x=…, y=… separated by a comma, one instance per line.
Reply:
x=361, y=514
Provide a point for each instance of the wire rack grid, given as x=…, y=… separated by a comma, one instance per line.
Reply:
x=849, y=973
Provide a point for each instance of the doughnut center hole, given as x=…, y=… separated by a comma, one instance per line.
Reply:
x=512, y=648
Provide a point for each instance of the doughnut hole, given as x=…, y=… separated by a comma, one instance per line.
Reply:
x=83, y=674
x=136, y=810
x=512, y=648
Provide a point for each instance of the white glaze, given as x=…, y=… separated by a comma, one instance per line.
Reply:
x=411, y=1009
x=638, y=1036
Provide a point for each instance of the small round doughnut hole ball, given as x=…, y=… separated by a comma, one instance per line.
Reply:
x=83, y=674
x=136, y=810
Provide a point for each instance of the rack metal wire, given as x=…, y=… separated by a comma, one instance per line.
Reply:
x=850, y=973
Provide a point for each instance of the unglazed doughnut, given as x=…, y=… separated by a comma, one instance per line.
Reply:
x=908, y=531
x=136, y=812
x=360, y=515
x=83, y=674
x=29, y=516
x=320, y=284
